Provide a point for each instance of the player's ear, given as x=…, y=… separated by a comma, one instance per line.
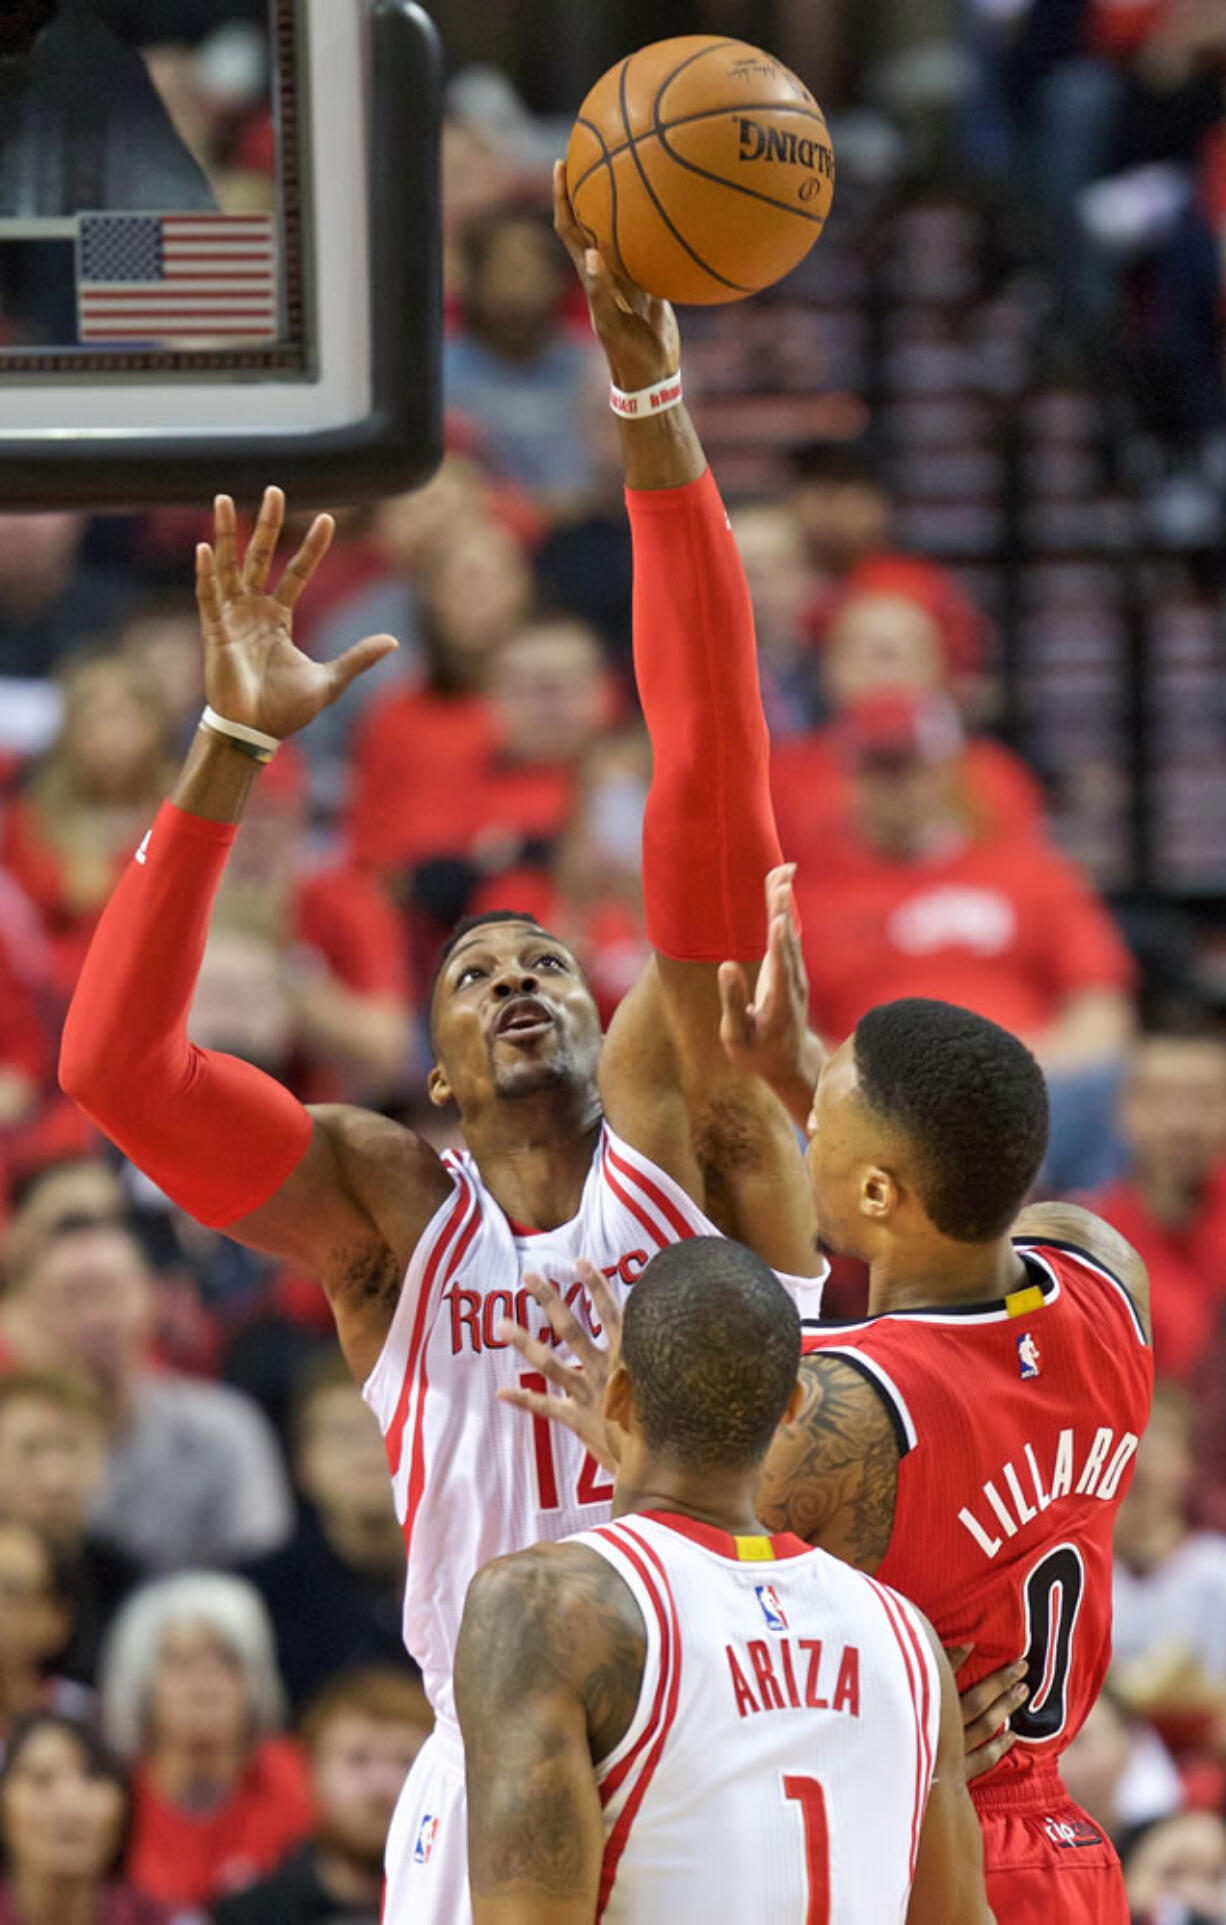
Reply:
x=617, y=1399
x=439, y=1088
x=878, y=1194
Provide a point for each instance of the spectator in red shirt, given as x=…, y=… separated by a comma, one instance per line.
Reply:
x=418, y=745
x=190, y=1694
x=87, y=803
x=911, y=896
x=363, y=1731
x=901, y=625
x=1170, y=1201
x=497, y=788
x=65, y=1805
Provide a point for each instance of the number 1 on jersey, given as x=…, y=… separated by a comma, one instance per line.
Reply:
x=808, y=1794
x=591, y=1486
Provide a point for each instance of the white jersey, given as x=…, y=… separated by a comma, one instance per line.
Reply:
x=779, y=1762
x=474, y=1479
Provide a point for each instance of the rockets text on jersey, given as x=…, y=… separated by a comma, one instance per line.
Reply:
x=779, y=1762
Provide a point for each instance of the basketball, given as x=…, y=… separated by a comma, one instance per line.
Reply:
x=701, y=168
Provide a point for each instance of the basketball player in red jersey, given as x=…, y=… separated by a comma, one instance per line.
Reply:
x=971, y=1440
x=573, y=1148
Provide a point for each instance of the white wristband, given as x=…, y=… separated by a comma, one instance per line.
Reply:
x=657, y=400
x=239, y=732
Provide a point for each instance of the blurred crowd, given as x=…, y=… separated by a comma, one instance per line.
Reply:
x=205, y=1710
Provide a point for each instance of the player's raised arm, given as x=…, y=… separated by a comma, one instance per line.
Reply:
x=341, y=1192
x=547, y=1678
x=709, y=834
x=948, y=1888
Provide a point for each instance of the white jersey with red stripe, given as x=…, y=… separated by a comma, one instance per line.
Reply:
x=474, y=1479
x=779, y=1763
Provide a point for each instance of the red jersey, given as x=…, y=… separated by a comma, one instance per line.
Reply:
x=1017, y=1423
x=1003, y=926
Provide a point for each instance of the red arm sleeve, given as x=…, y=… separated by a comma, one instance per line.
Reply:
x=216, y=1134
x=709, y=836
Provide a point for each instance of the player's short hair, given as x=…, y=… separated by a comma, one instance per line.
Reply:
x=711, y=1341
x=970, y=1100
x=378, y=1693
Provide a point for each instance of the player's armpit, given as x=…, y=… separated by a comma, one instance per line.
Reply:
x=669, y=1089
x=350, y=1213
x=1069, y=1223
x=547, y=1677
x=832, y=1475
x=949, y=1888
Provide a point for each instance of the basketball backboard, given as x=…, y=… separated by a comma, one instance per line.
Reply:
x=169, y=327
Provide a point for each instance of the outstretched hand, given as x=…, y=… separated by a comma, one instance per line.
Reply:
x=767, y=1034
x=253, y=673
x=580, y=1408
x=638, y=333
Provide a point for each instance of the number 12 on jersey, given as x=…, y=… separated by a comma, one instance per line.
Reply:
x=591, y=1486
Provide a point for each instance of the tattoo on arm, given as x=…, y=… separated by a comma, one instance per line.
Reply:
x=832, y=1475
x=548, y=1673
x=1069, y=1223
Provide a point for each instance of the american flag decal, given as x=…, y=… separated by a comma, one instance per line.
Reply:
x=169, y=277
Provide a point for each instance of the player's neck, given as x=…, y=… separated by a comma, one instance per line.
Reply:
x=929, y=1276
x=534, y=1161
x=726, y=1503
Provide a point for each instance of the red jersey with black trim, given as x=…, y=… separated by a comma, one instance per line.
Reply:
x=1017, y=1424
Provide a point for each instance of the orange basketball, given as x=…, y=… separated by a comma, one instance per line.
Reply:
x=701, y=168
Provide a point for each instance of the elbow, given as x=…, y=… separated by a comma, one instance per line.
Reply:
x=79, y=1066
x=90, y=1055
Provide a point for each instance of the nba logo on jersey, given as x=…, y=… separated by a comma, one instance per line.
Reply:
x=772, y=1610
x=425, y=1840
x=1027, y=1356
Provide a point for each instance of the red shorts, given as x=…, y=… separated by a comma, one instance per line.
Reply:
x=1046, y=1862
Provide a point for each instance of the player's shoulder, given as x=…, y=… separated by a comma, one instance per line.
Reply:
x=563, y=1598
x=390, y=1171
x=1080, y=1234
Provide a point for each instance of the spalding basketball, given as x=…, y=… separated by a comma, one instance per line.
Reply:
x=701, y=168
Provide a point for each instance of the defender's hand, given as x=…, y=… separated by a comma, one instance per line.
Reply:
x=986, y=1710
x=252, y=671
x=637, y=332
x=768, y=1035
x=580, y=1408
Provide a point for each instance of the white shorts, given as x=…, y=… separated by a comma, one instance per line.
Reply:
x=427, y=1846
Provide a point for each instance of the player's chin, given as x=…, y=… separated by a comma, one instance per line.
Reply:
x=530, y=1074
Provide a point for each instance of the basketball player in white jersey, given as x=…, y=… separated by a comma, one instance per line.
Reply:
x=675, y=1717
x=574, y=1148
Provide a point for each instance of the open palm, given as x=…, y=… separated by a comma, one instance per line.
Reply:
x=253, y=672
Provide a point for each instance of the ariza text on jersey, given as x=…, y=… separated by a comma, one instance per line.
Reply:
x=1083, y=1466
x=793, y=1674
